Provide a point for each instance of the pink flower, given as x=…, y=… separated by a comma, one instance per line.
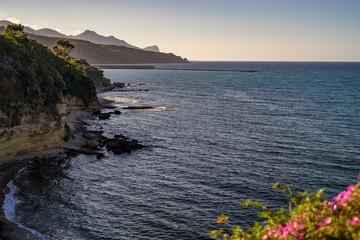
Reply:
x=343, y=197
x=273, y=234
x=298, y=225
x=302, y=216
x=338, y=197
x=351, y=188
x=326, y=220
x=284, y=235
x=353, y=221
x=333, y=208
x=301, y=235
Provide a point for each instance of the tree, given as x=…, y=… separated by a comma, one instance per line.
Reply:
x=62, y=48
x=15, y=29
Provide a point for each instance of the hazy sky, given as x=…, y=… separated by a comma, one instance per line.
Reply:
x=252, y=30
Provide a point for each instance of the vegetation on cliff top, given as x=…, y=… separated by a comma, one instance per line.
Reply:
x=32, y=77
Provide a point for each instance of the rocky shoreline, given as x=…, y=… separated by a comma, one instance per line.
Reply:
x=80, y=141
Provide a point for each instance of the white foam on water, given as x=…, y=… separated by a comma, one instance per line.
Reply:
x=10, y=202
x=122, y=100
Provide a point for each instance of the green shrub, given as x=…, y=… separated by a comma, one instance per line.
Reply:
x=95, y=74
x=309, y=217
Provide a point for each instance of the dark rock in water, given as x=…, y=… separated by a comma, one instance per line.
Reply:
x=122, y=145
x=117, y=112
x=103, y=116
x=121, y=150
x=100, y=155
x=96, y=132
x=137, y=107
x=96, y=112
x=134, y=145
x=116, y=143
x=91, y=136
x=93, y=144
x=119, y=85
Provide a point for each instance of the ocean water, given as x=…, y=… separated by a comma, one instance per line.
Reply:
x=213, y=140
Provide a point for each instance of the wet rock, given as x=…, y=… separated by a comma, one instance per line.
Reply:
x=93, y=144
x=117, y=112
x=134, y=145
x=96, y=112
x=115, y=143
x=119, y=85
x=137, y=107
x=91, y=136
x=122, y=145
x=109, y=107
x=100, y=155
x=96, y=132
x=103, y=116
x=121, y=150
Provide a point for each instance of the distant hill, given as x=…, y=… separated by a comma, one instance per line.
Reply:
x=110, y=54
x=93, y=37
x=4, y=23
x=97, y=49
x=87, y=35
x=49, y=32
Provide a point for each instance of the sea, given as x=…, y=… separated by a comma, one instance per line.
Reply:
x=213, y=140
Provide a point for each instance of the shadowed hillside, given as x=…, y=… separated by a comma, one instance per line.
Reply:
x=110, y=54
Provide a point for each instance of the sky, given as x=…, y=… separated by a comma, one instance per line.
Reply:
x=208, y=30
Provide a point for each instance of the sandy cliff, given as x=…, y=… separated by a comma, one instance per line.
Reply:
x=39, y=131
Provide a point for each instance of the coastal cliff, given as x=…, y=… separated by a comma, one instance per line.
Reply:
x=37, y=90
x=38, y=131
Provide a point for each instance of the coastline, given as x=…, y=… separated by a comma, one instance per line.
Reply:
x=9, y=170
x=78, y=144
x=8, y=229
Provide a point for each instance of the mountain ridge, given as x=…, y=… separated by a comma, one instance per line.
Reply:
x=96, y=53
x=94, y=37
x=88, y=35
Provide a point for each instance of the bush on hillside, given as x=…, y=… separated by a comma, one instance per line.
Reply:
x=31, y=75
x=95, y=74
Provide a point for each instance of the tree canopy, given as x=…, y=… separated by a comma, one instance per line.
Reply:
x=15, y=29
x=62, y=48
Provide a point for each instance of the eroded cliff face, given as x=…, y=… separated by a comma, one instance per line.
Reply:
x=38, y=131
x=37, y=89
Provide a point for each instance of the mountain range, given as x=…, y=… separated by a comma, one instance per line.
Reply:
x=98, y=49
x=87, y=35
